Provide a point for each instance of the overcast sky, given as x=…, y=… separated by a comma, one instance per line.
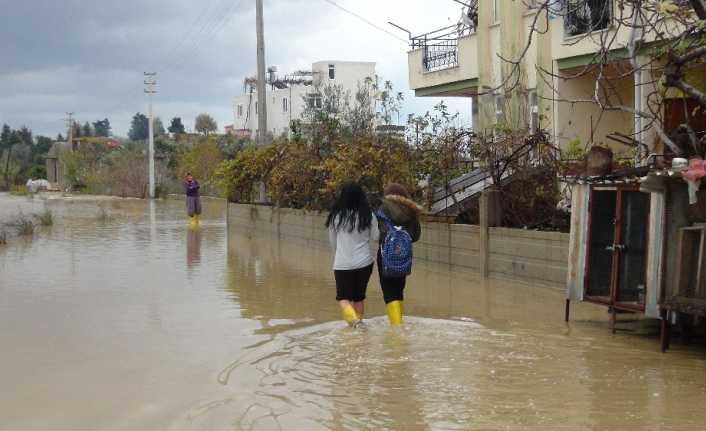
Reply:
x=88, y=57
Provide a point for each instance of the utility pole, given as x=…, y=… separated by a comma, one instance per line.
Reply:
x=261, y=83
x=70, y=126
x=150, y=84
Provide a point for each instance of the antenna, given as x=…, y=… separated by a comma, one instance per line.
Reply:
x=409, y=33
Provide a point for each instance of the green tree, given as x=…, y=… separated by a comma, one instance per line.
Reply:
x=6, y=143
x=176, y=127
x=139, y=127
x=102, y=128
x=39, y=151
x=60, y=138
x=86, y=130
x=5, y=136
x=201, y=160
x=205, y=124
x=159, y=127
x=18, y=145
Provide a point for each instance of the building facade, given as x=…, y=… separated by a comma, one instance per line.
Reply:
x=552, y=86
x=287, y=97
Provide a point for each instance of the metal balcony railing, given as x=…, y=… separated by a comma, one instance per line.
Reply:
x=440, y=48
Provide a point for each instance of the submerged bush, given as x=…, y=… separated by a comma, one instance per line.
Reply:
x=23, y=225
x=46, y=217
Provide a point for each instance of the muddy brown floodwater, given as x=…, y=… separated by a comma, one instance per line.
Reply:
x=138, y=323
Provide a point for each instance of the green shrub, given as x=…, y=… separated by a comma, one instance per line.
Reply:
x=23, y=225
x=46, y=217
x=19, y=191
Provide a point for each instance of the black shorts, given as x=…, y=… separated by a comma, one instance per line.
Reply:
x=392, y=287
x=351, y=284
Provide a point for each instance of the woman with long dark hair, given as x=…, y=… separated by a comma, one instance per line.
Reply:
x=351, y=226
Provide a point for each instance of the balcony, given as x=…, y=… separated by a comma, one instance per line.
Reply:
x=443, y=62
x=439, y=48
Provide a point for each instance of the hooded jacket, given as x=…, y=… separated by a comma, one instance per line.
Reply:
x=192, y=188
x=403, y=212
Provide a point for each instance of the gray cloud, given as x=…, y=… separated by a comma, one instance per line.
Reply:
x=88, y=57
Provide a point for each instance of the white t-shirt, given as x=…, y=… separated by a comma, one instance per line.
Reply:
x=352, y=248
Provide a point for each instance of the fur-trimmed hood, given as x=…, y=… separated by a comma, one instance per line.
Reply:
x=401, y=200
x=403, y=212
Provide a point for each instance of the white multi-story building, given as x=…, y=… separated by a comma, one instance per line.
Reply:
x=287, y=97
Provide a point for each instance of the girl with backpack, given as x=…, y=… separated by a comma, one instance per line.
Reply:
x=399, y=227
x=351, y=226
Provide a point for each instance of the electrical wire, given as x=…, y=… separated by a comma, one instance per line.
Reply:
x=370, y=23
x=193, y=40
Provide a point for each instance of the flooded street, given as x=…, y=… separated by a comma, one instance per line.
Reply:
x=135, y=322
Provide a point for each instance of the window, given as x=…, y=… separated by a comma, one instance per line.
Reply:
x=240, y=111
x=499, y=108
x=533, y=111
x=314, y=101
x=285, y=105
x=331, y=71
x=586, y=16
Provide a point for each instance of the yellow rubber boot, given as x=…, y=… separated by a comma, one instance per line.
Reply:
x=349, y=315
x=394, y=312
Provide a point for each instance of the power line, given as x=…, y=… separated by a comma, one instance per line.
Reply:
x=370, y=23
x=215, y=25
x=194, y=39
x=192, y=30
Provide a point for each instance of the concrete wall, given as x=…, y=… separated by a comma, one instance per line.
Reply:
x=534, y=257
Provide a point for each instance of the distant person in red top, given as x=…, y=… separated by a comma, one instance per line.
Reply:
x=193, y=200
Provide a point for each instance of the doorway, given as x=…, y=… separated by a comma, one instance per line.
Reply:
x=616, y=268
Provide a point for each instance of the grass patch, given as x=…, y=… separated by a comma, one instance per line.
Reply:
x=23, y=225
x=19, y=191
x=46, y=217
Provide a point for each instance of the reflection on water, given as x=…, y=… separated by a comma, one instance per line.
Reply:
x=143, y=323
x=193, y=247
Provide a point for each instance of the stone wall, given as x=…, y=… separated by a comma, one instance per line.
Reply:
x=529, y=256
